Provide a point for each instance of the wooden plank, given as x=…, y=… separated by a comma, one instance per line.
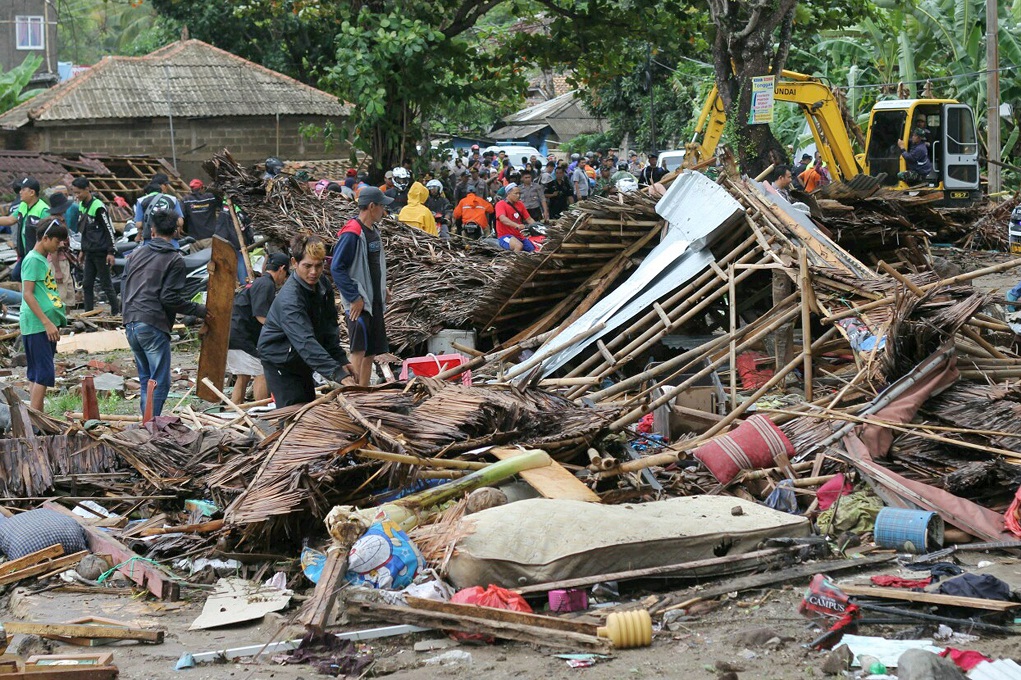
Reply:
x=219, y=307
x=927, y=598
x=73, y=630
x=506, y=630
x=319, y=609
x=475, y=611
x=139, y=571
x=31, y=558
x=552, y=481
x=61, y=563
x=102, y=341
x=64, y=673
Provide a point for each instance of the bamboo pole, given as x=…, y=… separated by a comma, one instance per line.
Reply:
x=806, y=321
x=109, y=418
x=732, y=303
x=960, y=278
x=241, y=241
x=541, y=356
x=234, y=407
x=405, y=459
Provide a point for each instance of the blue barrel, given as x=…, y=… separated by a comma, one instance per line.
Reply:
x=913, y=531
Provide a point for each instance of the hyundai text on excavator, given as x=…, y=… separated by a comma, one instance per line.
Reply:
x=953, y=143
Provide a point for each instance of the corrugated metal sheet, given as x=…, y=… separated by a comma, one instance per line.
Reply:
x=540, y=112
x=1004, y=669
x=698, y=208
x=517, y=131
x=189, y=79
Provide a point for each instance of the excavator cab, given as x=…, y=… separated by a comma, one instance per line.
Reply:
x=951, y=139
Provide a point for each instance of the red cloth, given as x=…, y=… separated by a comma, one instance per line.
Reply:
x=647, y=424
x=898, y=582
x=1013, y=515
x=966, y=659
x=831, y=490
x=753, y=445
x=747, y=369
x=517, y=213
x=494, y=597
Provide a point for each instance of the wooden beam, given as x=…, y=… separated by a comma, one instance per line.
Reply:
x=552, y=481
x=927, y=598
x=219, y=307
x=538, y=620
x=31, y=559
x=84, y=630
x=61, y=563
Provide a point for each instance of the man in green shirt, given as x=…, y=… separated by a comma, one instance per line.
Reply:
x=42, y=310
x=29, y=213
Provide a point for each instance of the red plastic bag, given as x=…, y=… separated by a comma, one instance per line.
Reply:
x=828, y=493
x=823, y=600
x=494, y=597
x=1012, y=517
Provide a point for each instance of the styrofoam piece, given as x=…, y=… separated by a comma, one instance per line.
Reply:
x=288, y=645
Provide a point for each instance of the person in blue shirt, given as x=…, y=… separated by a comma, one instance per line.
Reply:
x=917, y=158
x=156, y=196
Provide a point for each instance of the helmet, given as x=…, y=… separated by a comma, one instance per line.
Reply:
x=434, y=184
x=402, y=178
x=575, y=156
x=274, y=166
x=475, y=147
x=627, y=185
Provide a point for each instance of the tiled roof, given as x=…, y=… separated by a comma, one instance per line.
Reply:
x=188, y=79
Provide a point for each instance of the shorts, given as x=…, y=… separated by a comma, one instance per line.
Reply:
x=39, y=351
x=240, y=362
x=526, y=245
x=367, y=334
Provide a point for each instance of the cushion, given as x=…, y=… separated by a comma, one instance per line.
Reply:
x=753, y=445
x=37, y=529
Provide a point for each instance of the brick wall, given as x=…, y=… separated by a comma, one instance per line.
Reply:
x=249, y=139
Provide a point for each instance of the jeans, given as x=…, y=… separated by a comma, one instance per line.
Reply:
x=151, y=348
x=242, y=269
x=95, y=265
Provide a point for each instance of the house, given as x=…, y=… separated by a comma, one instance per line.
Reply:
x=29, y=27
x=556, y=121
x=183, y=102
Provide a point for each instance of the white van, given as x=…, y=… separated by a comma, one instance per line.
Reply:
x=671, y=160
x=515, y=152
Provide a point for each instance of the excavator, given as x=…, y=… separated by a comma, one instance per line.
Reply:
x=953, y=142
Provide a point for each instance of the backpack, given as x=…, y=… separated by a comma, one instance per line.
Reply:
x=155, y=202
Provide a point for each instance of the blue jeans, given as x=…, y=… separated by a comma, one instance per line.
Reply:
x=151, y=348
x=242, y=269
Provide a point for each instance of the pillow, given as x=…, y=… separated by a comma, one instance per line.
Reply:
x=753, y=445
x=37, y=529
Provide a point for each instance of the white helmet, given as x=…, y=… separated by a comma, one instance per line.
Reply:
x=626, y=185
x=434, y=184
x=402, y=178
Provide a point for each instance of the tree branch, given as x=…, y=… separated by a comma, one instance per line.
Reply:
x=784, y=48
x=467, y=15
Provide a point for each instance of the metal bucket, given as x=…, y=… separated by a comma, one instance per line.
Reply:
x=913, y=531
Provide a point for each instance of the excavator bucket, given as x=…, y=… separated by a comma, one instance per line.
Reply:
x=859, y=186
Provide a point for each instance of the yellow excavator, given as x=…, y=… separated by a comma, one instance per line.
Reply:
x=953, y=142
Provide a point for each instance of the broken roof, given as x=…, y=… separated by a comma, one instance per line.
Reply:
x=565, y=115
x=189, y=79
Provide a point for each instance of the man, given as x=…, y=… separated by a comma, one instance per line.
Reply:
x=651, y=173
x=812, y=178
x=153, y=287
x=251, y=306
x=200, y=209
x=439, y=206
x=97, y=234
x=605, y=186
x=26, y=217
x=479, y=182
x=559, y=193
x=401, y=186
x=388, y=181
x=472, y=214
x=301, y=335
x=416, y=214
x=782, y=179
x=802, y=165
x=916, y=157
x=460, y=186
x=533, y=196
x=511, y=215
x=579, y=179
x=351, y=178
x=359, y=270
x=156, y=196
x=42, y=310
x=60, y=261
x=547, y=173
x=634, y=165
x=227, y=230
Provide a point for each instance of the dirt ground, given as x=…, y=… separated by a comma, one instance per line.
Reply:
x=695, y=650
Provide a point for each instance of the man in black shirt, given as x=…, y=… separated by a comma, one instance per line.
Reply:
x=559, y=193
x=651, y=173
x=251, y=305
x=200, y=209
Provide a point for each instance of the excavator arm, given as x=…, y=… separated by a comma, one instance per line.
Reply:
x=820, y=108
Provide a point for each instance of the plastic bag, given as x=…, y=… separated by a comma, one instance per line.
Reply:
x=493, y=596
x=384, y=557
x=823, y=600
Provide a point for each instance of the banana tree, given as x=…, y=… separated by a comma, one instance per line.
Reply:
x=13, y=83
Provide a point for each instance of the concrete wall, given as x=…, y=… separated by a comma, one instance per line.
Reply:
x=249, y=139
x=10, y=56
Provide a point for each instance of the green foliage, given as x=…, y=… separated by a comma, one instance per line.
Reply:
x=594, y=142
x=14, y=82
x=88, y=30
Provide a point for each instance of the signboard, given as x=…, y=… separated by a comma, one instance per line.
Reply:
x=762, y=100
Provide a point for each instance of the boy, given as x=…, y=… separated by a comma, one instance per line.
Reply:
x=42, y=310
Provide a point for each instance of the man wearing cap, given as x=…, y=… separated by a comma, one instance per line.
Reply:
x=29, y=213
x=96, y=229
x=388, y=181
x=634, y=165
x=200, y=209
x=511, y=215
x=651, y=173
x=157, y=195
x=359, y=271
x=917, y=158
x=351, y=178
x=251, y=305
x=806, y=160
